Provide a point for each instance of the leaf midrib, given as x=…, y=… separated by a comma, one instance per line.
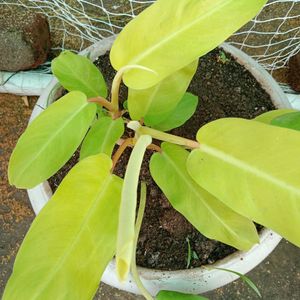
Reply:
x=83, y=82
x=45, y=145
x=173, y=35
x=246, y=167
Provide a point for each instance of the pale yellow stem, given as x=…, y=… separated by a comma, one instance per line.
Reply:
x=162, y=136
x=117, y=82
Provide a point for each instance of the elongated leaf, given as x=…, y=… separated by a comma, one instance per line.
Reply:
x=138, y=224
x=209, y=215
x=50, y=140
x=290, y=120
x=102, y=137
x=156, y=103
x=126, y=230
x=245, y=278
x=254, y=169
x=171, y=34
x=182, y=112
x=78, y=73
x=170, y=295
x=270, y=115
x=73, y=238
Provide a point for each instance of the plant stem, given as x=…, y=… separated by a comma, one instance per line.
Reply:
x=115, y=90
x=130, y=142
x=126, y=143
x=138, y=224
x=102, y=101
x=159, y=135
x=154, y=148
x=117, y=81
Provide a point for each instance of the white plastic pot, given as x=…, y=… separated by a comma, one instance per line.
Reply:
x=198, y=280
x=24, y=83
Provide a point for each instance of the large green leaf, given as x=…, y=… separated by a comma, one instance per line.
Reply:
x=78, y=73
x=209, y=215
x=170, y=295
x=268, y=116
x=182, y=112
x=253, y=168
x=102, y=137
x=170, y=34
x=50, y=140
x=156, y=103
x=73, y=238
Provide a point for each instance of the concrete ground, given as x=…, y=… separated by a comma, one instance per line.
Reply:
x=278, y=277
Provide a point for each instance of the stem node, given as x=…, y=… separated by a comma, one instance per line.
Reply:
x=162, y=136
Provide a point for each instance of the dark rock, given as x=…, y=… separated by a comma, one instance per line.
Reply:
x=25, y=39
x=294, y=72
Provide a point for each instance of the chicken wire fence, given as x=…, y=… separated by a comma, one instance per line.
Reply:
x=271, y=38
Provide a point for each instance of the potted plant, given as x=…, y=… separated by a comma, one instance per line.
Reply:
x=92, y=214
x=195, y=280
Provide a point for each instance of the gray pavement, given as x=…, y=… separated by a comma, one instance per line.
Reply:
x=278, y=278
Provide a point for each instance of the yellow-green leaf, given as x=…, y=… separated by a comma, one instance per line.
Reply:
x=170, y=34
x=272, y=114
x=206, y=213
x=102, y=137
x=73, y=238
x=156, y=103
x=126, y=229
x=253, y=168
x=50, y=140
x=78, y=73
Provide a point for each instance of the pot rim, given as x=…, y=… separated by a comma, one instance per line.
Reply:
x=197, y=280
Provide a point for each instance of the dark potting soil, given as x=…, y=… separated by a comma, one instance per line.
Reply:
x=294, y=72
x=225, y=89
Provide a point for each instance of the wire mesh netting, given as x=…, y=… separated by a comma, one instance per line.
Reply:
x=272, y=37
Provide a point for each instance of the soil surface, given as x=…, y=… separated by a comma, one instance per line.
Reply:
x=225, y=89
x=16, y=214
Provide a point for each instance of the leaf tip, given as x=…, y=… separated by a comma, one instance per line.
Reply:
x=122, y=269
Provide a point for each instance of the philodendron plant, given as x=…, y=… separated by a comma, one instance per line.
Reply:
x=236, y=171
